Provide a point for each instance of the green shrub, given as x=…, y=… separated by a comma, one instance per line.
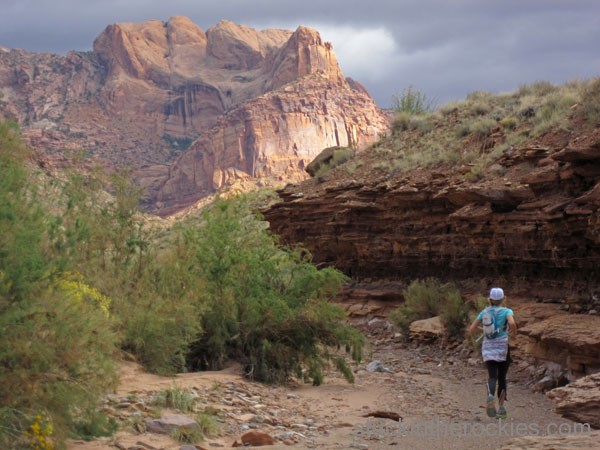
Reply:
x=265, y=305
x=94, y=424
x=209, y=426
x=175, y=398
x=537, y=89
x=187, y=435
x=454, y=314
x=352, y=166
x=482, y=127
x=412, y=101
x=590, y=103
x=479, y=108
x=510, y=122
x=402, y=121
x=463, y=130
x=553, y=112
x=340, y=156
x=157, y=329
x=429, y=298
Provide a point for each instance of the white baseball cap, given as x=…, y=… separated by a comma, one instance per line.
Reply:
x=496, y=294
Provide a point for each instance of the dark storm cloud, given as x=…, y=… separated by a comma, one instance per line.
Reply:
x=444, y=48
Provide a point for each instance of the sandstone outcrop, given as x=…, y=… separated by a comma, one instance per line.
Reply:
x=580, y=400
x=568, y=345
x=538, y=229
x=262, y=104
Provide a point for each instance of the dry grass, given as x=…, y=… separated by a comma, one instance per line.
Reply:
x=477, y=131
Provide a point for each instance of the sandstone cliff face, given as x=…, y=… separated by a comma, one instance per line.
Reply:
x=271, y=138
x=148, y=90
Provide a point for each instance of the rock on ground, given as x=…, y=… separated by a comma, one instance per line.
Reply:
x=580, y=400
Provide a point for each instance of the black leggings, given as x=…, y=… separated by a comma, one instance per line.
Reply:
x=497, y=373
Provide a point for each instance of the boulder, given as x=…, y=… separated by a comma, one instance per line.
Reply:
x=427, y=330
x=321, y=159
x=255, y=438
x=166, y=424
x=580, y=400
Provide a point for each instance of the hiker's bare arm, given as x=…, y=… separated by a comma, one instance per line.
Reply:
x=512, y=325
x=473, y=327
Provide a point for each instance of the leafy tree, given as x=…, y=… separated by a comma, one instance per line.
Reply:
x=265, y=305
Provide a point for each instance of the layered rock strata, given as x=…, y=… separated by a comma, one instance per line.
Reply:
x=554, y=346
x=540, y=223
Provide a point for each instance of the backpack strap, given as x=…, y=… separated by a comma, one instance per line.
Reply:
x=505, y=327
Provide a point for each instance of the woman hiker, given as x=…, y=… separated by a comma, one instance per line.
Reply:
x=497, y=320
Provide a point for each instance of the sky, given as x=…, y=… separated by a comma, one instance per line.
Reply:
x=445, y=49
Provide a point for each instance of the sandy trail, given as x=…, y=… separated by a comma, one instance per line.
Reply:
x=441, y=399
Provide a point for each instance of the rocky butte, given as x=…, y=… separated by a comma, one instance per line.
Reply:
x=191, y=111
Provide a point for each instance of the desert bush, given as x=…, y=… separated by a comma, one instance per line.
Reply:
x=159, y=317
x=402, y=121
x=509, y=122
x=191, y=435
x=536, y=89
x=429, y=298
x=482, y=127
x=56, y=351
x=423, y=124
x=590, y=102
x=454, y=314
x=209, y=426
x=94, y=424
x=352, y=166
x=553, y=112
x=450, y=108
x=405, y=121
x=266, y=305
x=412, y=101
x=463, y=130
x=175, y=398
x=340, y=156
x=153, y=303
x=480, y=108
